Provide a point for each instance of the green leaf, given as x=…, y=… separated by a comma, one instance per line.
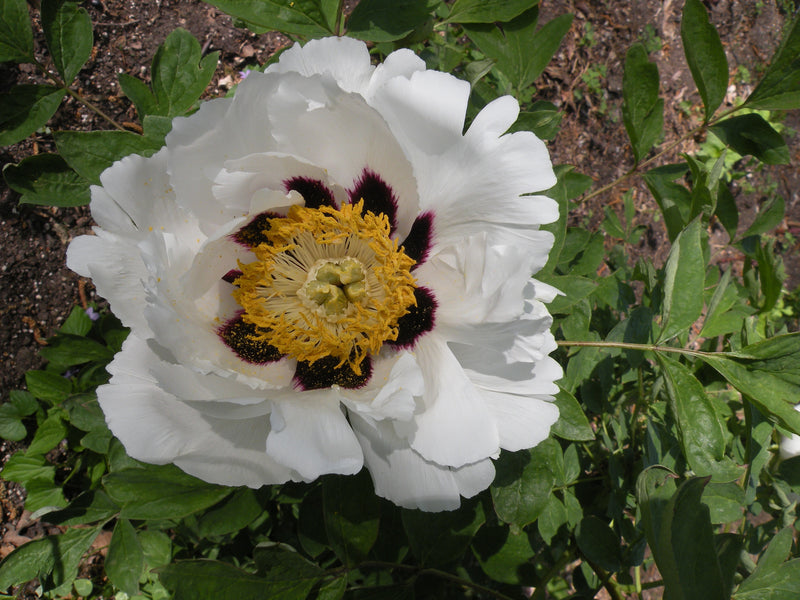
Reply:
x=705, y=55
x=235, y=513
x=725, y=501
x=642, y=109
x=16, y=35
x=20, y=404
x=157, y=547
x=674, y=200
x=381, y=21
x=68, y=32
x=768, y=373
x=684, y=277
x=352, y=514
x=543, y=118
x=47, y=386
x=160, y=492
x=727, y=212
x=77, y=323
x=297, y=17
x=282, y=566
x=767, y=580
x=47, y=179
x=521, y=488
x=487, y=11
x=768, y=218
x=520, y=52
x=654, y=488
x=124, y=563
x=24, y=469
x=89, y=507
x=700, y=430
x=551, y=518
x=779, y=89
x=54, y=555
x=177, y=78
x=572, y=423
x=598, y=543
x=215, y=580
x=751, y=134
x=505, y=554
x=67, y=350
x=26, y=108
x=439, y=539
x=137, y=92
x=573, y=287
x=570, y=184
x=92, y=152
x=49, y=433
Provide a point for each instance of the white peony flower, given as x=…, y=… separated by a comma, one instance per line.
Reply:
x=324, y=273
x=790, y=445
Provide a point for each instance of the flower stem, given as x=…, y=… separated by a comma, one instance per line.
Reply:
x=61, y=84
x=642, y=347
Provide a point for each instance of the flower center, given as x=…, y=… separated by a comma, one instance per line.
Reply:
x=326, y=282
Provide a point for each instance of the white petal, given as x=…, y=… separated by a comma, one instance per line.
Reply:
x=345, y=59
x=311, y=435
x=390, y=392
x=156, y=427
x=404, y=477
x=455, y=427
x=523, y=421
x=494, y=119
x=400, y=63
x=118, y=273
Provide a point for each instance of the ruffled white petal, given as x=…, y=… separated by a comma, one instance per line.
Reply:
x=390, y=393
x=401, y=475
x=311, y=435
x=522, y=421
x=454, y=428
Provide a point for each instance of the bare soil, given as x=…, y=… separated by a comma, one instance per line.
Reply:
x=37, y=291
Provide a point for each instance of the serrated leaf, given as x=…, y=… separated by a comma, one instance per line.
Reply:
x=298, y=17
x=47, y=386
x=442, y=538
x=26, y=108
x=521, y=488
x=16, y=35
x=92, y=152
x=751, y=134
x=520, y=52
x=487, y=11
x=684, y=276
x=381, y=21
x=779, y=89
x=352, y=513
x=54, y=555
x=124, y=563
x=68, y=32
x=768, y=373
x=642, y=109
x=572, y=423
x=160, y=492
x=704, y=55
x=46, y=179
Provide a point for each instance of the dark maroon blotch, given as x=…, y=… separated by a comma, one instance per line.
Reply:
x=237, y=335
x=418, y=242
x=313, y=191
x=417, y=321
x=232, y=275
x=325, y=372
x=254, y=233
x=377, y=195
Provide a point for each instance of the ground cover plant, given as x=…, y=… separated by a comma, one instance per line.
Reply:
x=662, y=475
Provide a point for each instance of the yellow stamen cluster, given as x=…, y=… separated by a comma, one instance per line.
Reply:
x=327, y=282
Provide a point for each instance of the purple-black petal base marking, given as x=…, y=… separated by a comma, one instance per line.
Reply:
x=417, y=244
x=237, y=335
x=313, y=191
x=253, y=234
x=232, y=275
x=417, y=321
x=377, y=195
x=325, y=372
